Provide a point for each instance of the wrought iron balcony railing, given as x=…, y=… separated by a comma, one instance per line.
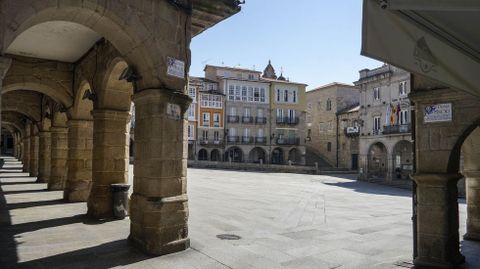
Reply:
x=233, y=119
x=260, y=120
x=247, y=140
x=288, y=141
x=397, y=129
x=247, y=119
x=260, y=140
x=233, y=139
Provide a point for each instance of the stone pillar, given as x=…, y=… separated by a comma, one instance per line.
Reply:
x=26, y=154
x=159, y=204
x=4, y=66
x=45, y=156
x=79, y=177
x=58, y=170
x=110, y=159
x=34, y=155
x=437, y=221
x=390, y=168
x=472, y=180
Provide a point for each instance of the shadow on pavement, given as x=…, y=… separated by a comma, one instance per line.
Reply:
x=370, y=188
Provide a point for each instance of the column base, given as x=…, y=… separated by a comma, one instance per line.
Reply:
x=470, y=236
x=78, y=192
x=424, y=263
x=100, y=204
x=55, y=186
x=159, y=226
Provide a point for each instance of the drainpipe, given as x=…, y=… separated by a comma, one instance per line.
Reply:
x=338, y=141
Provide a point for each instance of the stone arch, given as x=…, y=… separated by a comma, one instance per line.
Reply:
x=402, y=159
x=215, y=155
x=278, y=156
x=294, y=155
x=24, y=102
x=455, y=154
x=130, y=30
x=82, y=108
x=257, y=154
x=234, y=154
x=203, y=155
x=377, y=160
x=114, y=93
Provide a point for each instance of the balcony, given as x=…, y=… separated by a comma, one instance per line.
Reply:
x=288, y=120
x=233, y=119
x=247, y=140
x=260, y=120
x=216, y=124
x=233, y=139
x=288, y=141
x=204, y=141
x=206, y=124
x=261, y=140
x=352, y=131
x=217, y=142
x=397, y=129
x=247, y=119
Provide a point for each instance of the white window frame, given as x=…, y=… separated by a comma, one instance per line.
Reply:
x=402, y=88
x=376, y=123
x=376, y=93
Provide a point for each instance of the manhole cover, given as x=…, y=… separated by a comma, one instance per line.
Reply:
x=228, y=237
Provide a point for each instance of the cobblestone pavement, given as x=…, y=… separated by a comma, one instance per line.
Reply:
x=283, y=221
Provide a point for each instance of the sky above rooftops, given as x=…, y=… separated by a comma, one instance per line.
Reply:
x=315, y=41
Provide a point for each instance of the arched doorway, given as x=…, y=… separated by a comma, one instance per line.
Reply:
x=203, y=155
x=294, y=156
x=277, y=156
x=257, y=155
x=402, y=158
x=377, y=161
x=234, y=154
x=215, y=155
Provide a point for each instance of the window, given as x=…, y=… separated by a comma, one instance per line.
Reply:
x=319, y=105
x=262, y=95
x=376, y=123
x=216, y=135
x=309, y=133
x=260, y=112
x=209, y=100
x=205, y=135
x=329, y=146
x=256, y=95
x=211, y=87
x=216, y=119
x=402, y=88
x=404, y=117
x=237, y=93
x=251, y=77
x=285, y=96
x=280, y=113
x=260, y=133
x=295, y=96
x=192, y=92
x=232, y=132
x=191, y=112
x=250, y=94
x=191, y=132
x=279, y=98
x=376, y=93
x=247, y=112
x=291, y=114
x=233, y=111
x=246, y=132
x=244, y=93
x=206, y=119
x=329, y=105
x=309, y=106
x=231, y=93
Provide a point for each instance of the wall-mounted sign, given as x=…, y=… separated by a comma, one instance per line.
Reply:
x=174, y=111
x=437, y=113
x=175, y=68
x=353, y=130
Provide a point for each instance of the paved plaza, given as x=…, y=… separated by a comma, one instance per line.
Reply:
x=280, y=221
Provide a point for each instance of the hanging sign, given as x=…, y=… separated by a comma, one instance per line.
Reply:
x=175, y=68
x=437, y=113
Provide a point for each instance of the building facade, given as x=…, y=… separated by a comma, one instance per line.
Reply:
x=385, y=111
x=194, y=86
x=330, y=109
x=247, y=123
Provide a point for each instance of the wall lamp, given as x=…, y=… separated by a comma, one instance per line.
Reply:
x=130, y=75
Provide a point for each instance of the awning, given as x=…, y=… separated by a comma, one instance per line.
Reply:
x=439, y=39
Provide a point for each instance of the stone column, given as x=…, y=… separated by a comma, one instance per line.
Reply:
x=26, y=154
x=159, y=204
x=110, y=159
x=80, y=143
x=472, y=181
x=58, y=170
x=437, y=221
x=390, y=168
x=34, y=155
x=45, y=156
x=4, y=66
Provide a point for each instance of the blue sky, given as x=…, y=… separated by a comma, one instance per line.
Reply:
x=315, y=41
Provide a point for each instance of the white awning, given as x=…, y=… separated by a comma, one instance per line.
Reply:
x=439, y=39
